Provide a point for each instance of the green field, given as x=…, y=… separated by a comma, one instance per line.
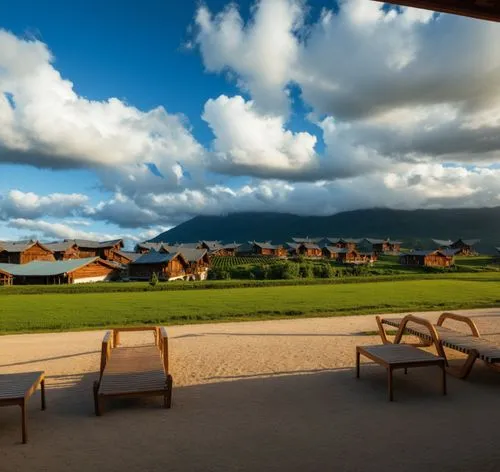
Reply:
x=231, y=261
x=52, y=312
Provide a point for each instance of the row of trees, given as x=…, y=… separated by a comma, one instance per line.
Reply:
x=284, y=270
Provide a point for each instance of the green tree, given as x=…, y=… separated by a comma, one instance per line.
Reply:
x=153, y=280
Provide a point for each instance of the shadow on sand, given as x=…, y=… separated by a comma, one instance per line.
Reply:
x=318, y=420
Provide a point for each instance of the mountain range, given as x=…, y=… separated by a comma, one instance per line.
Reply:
x=414, y=227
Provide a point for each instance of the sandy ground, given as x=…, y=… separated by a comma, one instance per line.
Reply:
x=258, y=396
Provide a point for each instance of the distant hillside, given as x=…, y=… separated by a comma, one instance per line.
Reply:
x=415, y=227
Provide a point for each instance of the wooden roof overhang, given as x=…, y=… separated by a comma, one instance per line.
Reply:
x=480, y=9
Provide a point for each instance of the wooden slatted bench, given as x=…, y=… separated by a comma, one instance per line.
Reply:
x=440, y=336
x=16, y=389
x=399, y=356
x=135, y=370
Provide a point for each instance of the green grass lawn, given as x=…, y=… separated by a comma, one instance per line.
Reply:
x=52, y=312
x=473, y=261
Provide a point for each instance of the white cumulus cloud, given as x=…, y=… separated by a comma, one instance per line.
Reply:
x=44, y=122
x=251, y=143
x=16, y=203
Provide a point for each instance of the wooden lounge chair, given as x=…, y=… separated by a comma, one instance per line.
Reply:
x=440, y=336
x=16, y=389
x=134, y=371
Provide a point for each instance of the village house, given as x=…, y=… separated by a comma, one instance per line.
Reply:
x=462, y=247
x=213, y=247
x=125, y=257
x=73, y=271
x=142, y=248
x=23, y=252
x=245, y=249
x=167, y=266
x=268, y=249
x=64, y=250
x=347, y=256
x=384, y=246
x=199, y=262
x=346, y=243
x=304, y=249
x=437, y=258
x=104, y=249
x=229, y=249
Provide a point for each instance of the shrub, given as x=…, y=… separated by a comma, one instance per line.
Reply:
x=356, y=270
x=291, y=271
x=218, y=274
x=261, y=272
x=306, y=271
x=153, y=281
x=324, y=271
x=240, y=272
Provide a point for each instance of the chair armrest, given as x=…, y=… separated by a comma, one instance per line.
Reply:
x=107, y=345
x=421, y=321
x=163, y=346
x=461, y=319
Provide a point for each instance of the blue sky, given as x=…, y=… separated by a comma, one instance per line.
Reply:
x=277, y=105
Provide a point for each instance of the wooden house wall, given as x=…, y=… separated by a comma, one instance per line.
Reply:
x=394, y=247
x=197, y=267
x=431, y=260
x=225, y=252
x=9, y=257
x=145, y=271
x=328, y=255
x=465, y=250
x=386, y=247
x=353, y=257
x=36, y=253
x=437, y=260
x=412, y=259
x=106, y=253
x=87, y=252
x=70, y=253
x=345, y=245
x=5, y=278
x=164, y=271
x=120, y=258
x=310, y=252
x=175, y=268
x=94, y=269
x=263, y=251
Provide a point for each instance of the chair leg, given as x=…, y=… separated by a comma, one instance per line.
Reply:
x=443, y=369
x=389, y=384
x=357, y=363
x=24, y=422
x=97, y=406
x=167, y=398
x=42, y=391
x=464, y=371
